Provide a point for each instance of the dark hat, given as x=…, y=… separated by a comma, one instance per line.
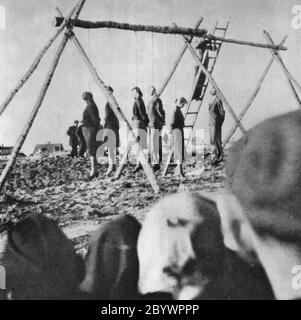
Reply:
x=40, y=262
x=264, y=173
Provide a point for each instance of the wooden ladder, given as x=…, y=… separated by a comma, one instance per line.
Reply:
x=192, y=112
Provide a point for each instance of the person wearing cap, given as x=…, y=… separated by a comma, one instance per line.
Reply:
x=261, y=212
x=91, y=125
x=73, y=140
x=216, y=120
x=111, y=129
x=81, y=140
x=177, y=129
x=156, y=115
x=140, y=122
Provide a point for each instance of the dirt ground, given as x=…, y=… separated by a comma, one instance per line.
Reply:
x=56, y=187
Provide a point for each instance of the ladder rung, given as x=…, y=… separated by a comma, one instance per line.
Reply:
x=219, y=28
x=188, y=126
x=192, y=113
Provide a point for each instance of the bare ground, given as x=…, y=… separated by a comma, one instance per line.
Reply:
x=56, y=187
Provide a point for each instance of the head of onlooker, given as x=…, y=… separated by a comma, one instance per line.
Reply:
x=112, y=261
x=181, y=252
x=40, y=262
x=261, y=214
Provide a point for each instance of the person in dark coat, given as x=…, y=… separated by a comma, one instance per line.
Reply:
x=140, y=122
x=73, y=140
x=111, y=123
x=91, y=125
x=177, y=129
x=81, y=141
x=156, y=115
x=203, y=47
x=217, y=117
x=112, y=266
x=261, y=207
x=40, y=262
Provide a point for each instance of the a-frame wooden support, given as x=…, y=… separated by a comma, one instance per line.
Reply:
x=18, y=145
x=291, y=81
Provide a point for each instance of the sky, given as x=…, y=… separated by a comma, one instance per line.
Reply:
x=125, y=59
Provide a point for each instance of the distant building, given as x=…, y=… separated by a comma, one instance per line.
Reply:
x=49, y=148
x=5, y=152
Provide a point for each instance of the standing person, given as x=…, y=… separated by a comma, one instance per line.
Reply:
x=156, y=115
x=177, y=127
x=81, y=140
x=73, y=141
x=140, y=122
x=217, y=117
x=111, y=122
x=91, y=124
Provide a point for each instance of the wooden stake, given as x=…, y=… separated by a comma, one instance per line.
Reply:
x=35, y=63
x=178, y=59
x=215, y=86
x=252, y=98
x=118, y=112
x=291, y=80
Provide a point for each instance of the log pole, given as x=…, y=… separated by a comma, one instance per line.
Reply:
x=252, y=98
x=133, y=27
x=118, y=112
x=215, y=86
x=162, y=29
x=35, y=63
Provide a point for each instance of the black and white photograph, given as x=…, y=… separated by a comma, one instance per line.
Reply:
x=150, y=151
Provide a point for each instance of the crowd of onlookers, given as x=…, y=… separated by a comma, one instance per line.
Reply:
x=244, y=243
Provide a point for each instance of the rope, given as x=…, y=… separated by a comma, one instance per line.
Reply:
x=175, y=76
x=89, y=51
x=153, y=66
x=136, y=49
